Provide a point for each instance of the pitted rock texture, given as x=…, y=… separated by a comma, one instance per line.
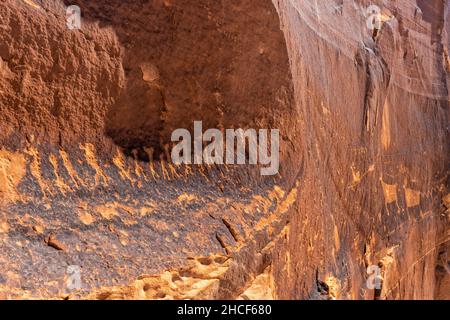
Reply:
x=86, y=181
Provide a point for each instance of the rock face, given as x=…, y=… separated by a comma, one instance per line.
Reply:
x=91, y=205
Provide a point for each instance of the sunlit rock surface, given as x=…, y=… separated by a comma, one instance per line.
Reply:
x=86, y=181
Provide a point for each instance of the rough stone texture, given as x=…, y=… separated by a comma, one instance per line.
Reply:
x=86, y=117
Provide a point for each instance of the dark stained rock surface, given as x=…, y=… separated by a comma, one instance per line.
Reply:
x=86, y=178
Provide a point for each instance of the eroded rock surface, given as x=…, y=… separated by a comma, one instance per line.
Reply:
x=86, y=180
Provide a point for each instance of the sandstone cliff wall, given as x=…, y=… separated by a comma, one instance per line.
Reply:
x=86, y=117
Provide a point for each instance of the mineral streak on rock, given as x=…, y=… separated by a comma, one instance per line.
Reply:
x=86, y=178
